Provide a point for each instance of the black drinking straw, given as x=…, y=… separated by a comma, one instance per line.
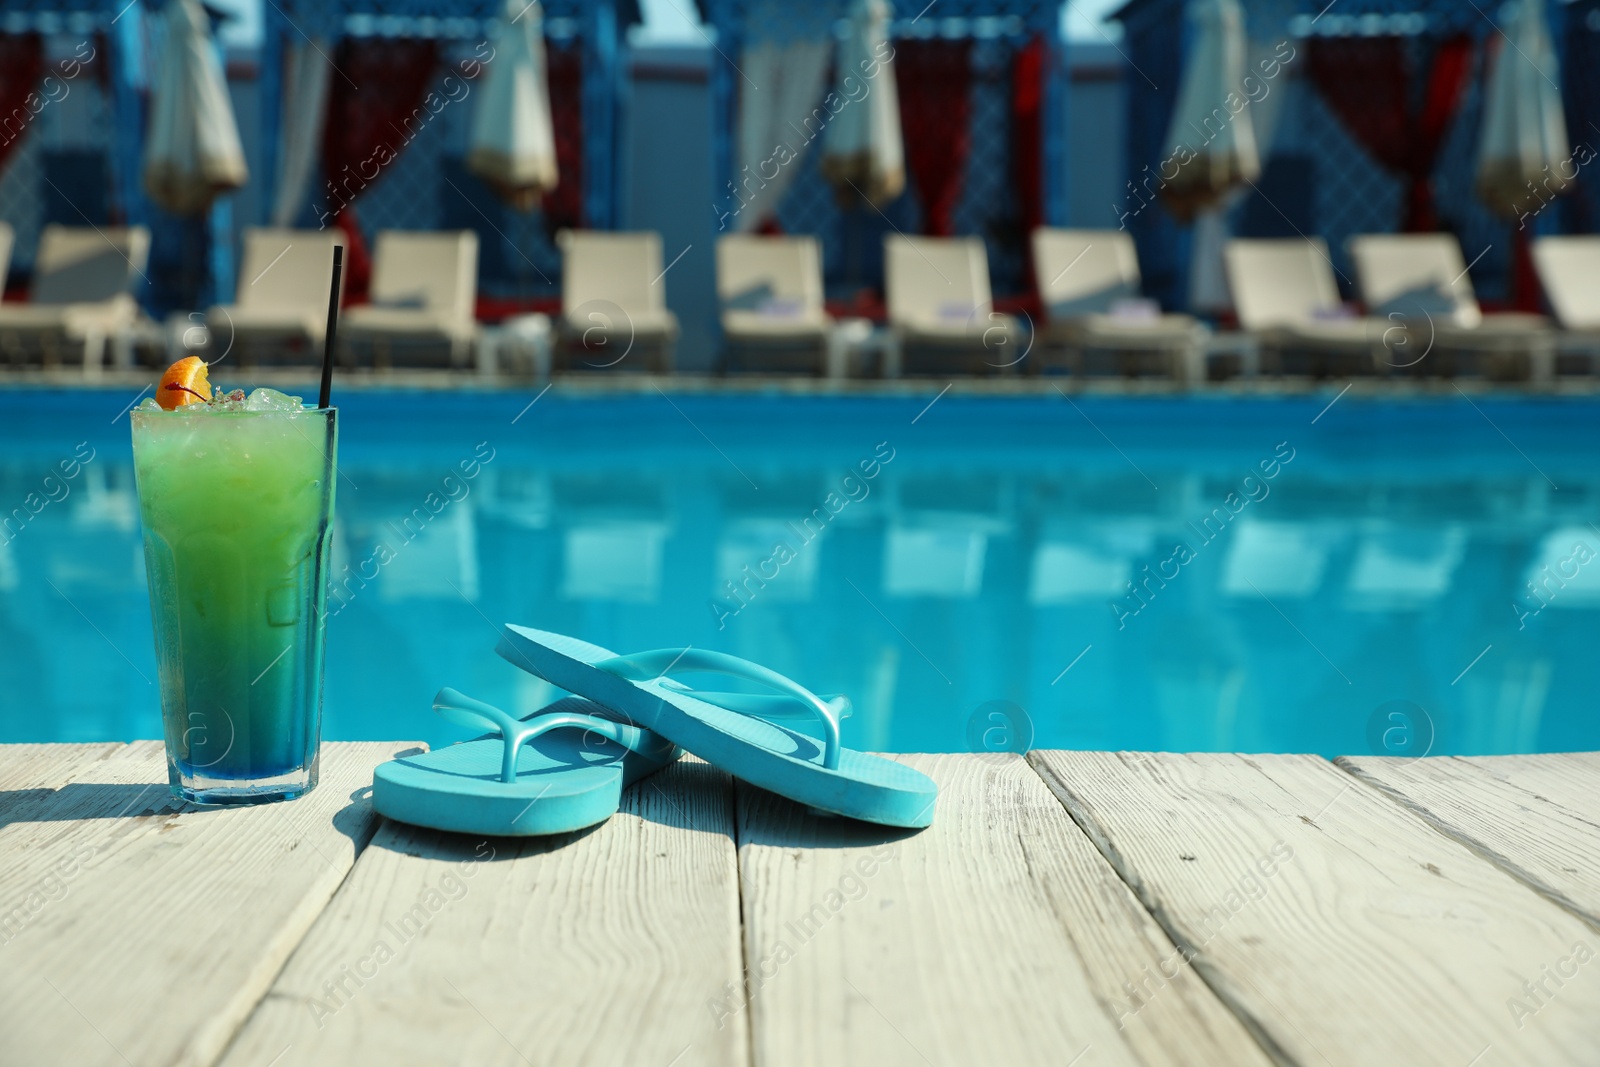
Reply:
x=333, y=328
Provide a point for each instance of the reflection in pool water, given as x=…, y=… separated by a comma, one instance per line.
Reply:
x=1142, y=573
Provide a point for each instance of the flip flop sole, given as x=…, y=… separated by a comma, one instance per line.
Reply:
x=565, y=782
x=762, y=753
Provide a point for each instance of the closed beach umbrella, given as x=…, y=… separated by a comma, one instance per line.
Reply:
x=862, y=147
x=1524, y=137
x=513, y=145
x=193, y=152
x=1211, y=141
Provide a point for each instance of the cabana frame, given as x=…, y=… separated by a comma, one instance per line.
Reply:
x=597, y=24
x=1156, y=38
x=1018, y=19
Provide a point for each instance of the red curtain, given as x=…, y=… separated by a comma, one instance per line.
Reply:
x=1447, y=86
x=1525, y=288
x=357, y=260
x=21, y=69
x=934, y=78
x=1027, y=147
x=563, y=205
x=1367, y=82
x=376, y=105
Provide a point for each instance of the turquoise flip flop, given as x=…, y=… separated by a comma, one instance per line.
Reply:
x=733, y=731
x=562, y=768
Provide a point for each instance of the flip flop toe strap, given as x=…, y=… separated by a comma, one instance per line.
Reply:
x=796, y=698
x=463, y=710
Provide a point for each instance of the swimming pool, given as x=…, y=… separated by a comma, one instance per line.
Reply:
x=1202, y=573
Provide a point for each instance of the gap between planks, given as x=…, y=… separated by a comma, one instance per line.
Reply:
x=169, y=922
x=1046, y=930
x=997, y=935
x=1378, y=916
x=600, y=947
x=1454, y=785
x=1101, y=840
x=1085, y=824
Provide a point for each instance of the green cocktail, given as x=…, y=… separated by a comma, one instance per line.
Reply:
x=236, y=500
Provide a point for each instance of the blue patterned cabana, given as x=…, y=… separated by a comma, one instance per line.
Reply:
x=120, y=29
x=115, y=31
x=518, y=261
x=192, y=263
x=595, y=23
x=1317, y=179
x=999, y=29
x=1578, y=40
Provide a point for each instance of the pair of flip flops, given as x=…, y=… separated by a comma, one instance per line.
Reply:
x=563, y=768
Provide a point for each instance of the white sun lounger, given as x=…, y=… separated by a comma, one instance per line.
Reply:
x=282, y=299
x=1421, y=279
x=937, y=289
x=1089, y=284
x=614, y=299
x=770, y=289
x=82, y=293
x=424, y=286
x=1569, y=271
x=1285, y=294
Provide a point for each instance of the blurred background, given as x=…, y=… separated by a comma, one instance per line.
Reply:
x=1236, y=200
x=1371, y=118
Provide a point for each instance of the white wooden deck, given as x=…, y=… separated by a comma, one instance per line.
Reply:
x=1070, y=908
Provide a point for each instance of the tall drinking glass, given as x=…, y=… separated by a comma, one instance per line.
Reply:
x=236, y=506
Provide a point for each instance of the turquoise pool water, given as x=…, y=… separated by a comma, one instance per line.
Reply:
x=1339, y=579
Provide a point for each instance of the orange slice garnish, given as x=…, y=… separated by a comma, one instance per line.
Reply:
x=184, y=383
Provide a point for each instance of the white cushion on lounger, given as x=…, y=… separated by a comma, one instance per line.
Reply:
x=614, y=276
x=423, y=284
x=73, y=320
x=82, y=278
x=1569, y=270
x=283, y=285
x=770, y=288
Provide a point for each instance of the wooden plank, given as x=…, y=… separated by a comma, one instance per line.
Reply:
x=595, y=948
x=30, y=768
x=997, y=935
x=1536, y=817
x=1341, y=927
x=151, y=928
